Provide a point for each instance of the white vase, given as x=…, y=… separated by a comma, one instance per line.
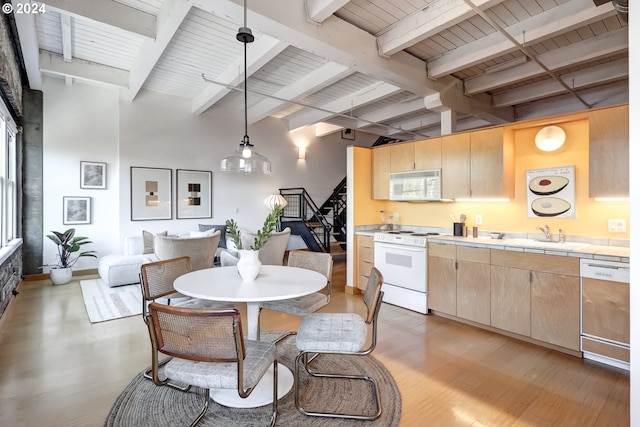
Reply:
x=60, y=276
x=248, y=264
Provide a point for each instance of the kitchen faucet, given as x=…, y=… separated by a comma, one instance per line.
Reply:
x=546, y=231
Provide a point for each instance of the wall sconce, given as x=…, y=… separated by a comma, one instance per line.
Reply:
x=302, y=152
x=550, y=138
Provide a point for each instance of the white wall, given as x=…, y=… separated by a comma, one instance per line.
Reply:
x=90, y=123
x=634, y=188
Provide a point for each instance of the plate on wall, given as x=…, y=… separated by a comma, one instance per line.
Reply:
x=548, y=185
x=549, y=206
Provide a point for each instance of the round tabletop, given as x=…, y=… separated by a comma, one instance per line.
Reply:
x=274, y=282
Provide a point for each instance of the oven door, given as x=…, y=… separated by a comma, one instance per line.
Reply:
x=403, y=266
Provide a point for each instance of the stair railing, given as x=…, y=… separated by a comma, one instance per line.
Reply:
x=301, y=207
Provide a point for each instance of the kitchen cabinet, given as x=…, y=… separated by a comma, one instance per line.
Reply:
x=479, y=164
x=441, y=278
x=428, y=154
x=608, y=152
x=511, y=299
x=402, y=157
x=364, y=260
x=473, y=284
x=381, y=168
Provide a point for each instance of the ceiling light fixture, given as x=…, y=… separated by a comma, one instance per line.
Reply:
x=245, y=159
x=550, y=138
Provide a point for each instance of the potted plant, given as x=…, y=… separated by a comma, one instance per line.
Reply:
x=249, y=262
x=69, y=251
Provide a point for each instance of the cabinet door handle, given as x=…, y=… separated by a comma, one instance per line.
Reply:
x=530, y=276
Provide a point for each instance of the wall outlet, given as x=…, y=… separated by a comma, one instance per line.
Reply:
x=479, y=219
x=617, y=226
x=396, y=216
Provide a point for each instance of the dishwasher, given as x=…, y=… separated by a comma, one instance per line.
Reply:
x=604, y=312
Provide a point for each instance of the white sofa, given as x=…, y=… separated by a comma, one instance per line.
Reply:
x=124, y=269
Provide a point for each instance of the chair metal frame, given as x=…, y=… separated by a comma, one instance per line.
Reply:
x=373, y=300
x=196, y=335
x=156, y=281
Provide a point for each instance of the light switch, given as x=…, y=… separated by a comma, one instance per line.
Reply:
x=479, y=219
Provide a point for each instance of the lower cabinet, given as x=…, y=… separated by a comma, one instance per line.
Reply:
x=473, y=282
x=511, y=299
x=364, y=258
x=441, y=280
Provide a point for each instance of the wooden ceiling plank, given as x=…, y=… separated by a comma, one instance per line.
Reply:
x=319, y=10
x=569, y=15
x=586, y=50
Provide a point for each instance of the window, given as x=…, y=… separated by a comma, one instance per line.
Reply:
x=8, y=187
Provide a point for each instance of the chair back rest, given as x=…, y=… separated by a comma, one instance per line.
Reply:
x=201, y=250
x=156, y=278
x=373, y=294
x=320, y=262
x=272, y=253
x=201, y=334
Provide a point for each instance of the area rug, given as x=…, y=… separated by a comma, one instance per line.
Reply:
x=144, y=404
x=104, y=303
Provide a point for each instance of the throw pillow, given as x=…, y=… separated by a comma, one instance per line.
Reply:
x=148, y=240
x=202, y=233
x=223, y=232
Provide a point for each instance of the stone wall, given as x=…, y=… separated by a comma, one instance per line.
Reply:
x=10, y=82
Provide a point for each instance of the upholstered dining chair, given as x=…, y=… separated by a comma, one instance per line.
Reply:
x=208, y=350
x=343, y=334
x=156, y=281
x=201, y=250
x=320, y=262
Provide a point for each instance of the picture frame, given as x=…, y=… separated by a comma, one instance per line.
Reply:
x=151, y=193
x=193, y=194
x=76, y=210
x=93, y=175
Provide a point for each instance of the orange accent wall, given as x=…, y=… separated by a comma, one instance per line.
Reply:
x=591, y=216
x=367, y=210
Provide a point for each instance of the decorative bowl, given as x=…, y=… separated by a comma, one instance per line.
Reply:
x=496, y=235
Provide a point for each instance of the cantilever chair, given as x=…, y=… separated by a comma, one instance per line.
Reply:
x=156, y=281
x=301, y=306
x=340, y=334
x=207, y=350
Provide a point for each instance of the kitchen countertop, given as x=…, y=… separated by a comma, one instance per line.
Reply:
x=584, y=249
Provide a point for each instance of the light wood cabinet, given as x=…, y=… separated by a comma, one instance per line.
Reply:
x=473, y=281
x=364, y=260
x=492, y=163
x=455, y=165
x=441, y=280
x=555, y=316
x=609, y=152
x=402, y=157
x=511, y=299
x=428, y=153
x=381, y=169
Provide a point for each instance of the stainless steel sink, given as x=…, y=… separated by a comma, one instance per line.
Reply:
x=545, y=244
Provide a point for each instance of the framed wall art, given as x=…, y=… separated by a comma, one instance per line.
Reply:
x=93, y=175
x=193, y=199
x=150, y=193
x=76, y=210
x=551, y=192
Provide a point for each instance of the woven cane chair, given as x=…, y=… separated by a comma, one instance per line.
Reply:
x=156, y=281
x=320, y=262
x=341, y=334
x=207, y=350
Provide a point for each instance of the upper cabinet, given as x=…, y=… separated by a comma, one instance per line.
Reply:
x=402, y=157
x=428, y=154
x=478, y=164
x=609, y=152
x=381, y=168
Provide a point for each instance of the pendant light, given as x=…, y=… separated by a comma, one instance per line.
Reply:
x=245, y=159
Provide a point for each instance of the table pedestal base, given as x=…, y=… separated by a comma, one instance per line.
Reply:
x=261, y=395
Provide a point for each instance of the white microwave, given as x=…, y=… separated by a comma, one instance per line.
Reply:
x=421, y=185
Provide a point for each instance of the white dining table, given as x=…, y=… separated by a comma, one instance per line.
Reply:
x=274, y=282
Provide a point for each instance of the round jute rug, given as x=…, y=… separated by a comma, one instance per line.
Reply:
x=144, y=404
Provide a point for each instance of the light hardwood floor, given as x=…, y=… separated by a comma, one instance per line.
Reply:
x=57, y=369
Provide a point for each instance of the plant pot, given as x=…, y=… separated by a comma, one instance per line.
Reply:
x=249, y=264
x=60, y=276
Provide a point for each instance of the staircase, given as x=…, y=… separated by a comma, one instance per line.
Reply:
x=323, y=228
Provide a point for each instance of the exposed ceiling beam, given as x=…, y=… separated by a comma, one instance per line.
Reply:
x=259, y=53
x=575, y=53
x=172, y=13
x=567, y=16
x=347, y=103
x=390, y=112
x=432, y=19
x=320, y=78
x=319, y=10
x=603, y=73
x=65, y=29
x=83, y=70
x=415, y=123
x=26, y=25
x=354, y=48
x=109, y=12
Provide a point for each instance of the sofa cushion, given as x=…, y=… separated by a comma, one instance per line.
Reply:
x=148, y=238
x=223, y=232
